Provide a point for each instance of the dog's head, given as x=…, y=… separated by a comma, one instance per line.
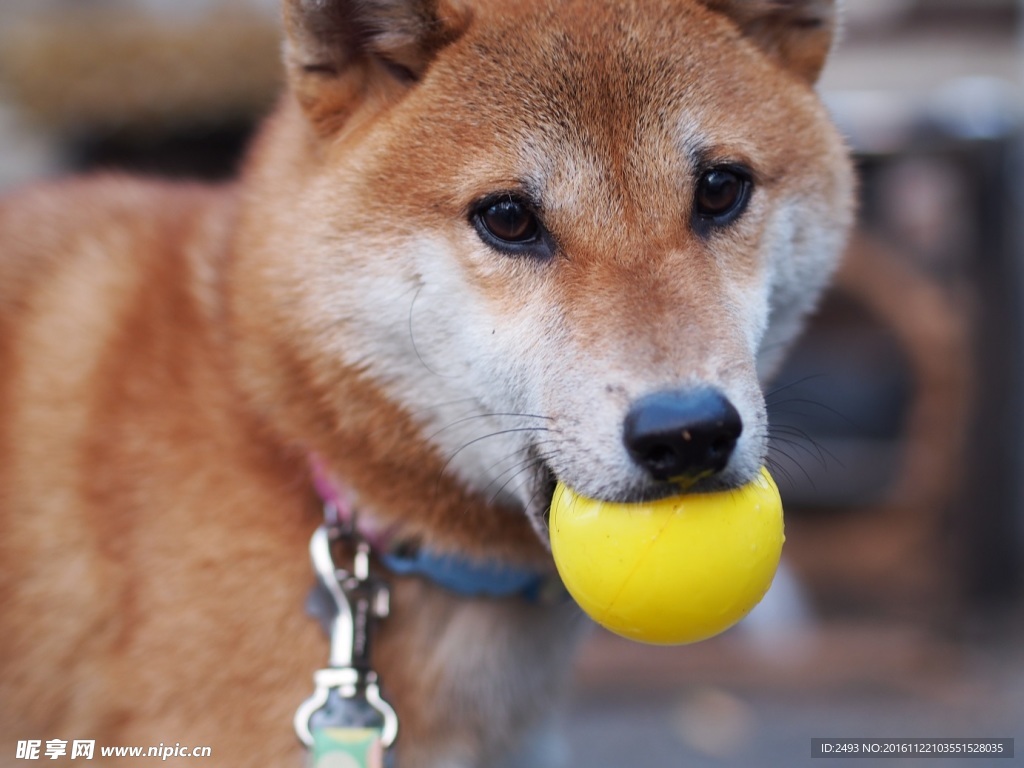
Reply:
x=561, y=237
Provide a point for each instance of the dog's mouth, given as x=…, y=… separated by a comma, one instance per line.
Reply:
x=542, y=491
x=538, y=508
x=544, y=481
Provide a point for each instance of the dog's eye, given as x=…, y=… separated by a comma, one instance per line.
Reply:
x=510, y=225
x=721, y=195
x=510, y=221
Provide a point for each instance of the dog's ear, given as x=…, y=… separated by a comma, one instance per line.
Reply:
x=797, y=33
x=333, y=47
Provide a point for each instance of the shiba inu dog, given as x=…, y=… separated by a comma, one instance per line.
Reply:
x=479, y=246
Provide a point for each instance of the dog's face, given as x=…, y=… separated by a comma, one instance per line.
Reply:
x=568, y=239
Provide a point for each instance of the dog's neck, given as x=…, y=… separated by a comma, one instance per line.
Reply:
x=399, y=484
x=465, y=576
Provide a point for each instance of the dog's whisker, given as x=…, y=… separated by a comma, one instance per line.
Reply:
x=488, y=436
x=799, y=439
x=444, y=468
x=799, y=436
x=524, y=465
x=802, y=445
x=775, y=409
x=791, y=385
x=775, y=453
x=446, y=404
x=777, y=469
x=518, y=461
x=794, y=462
x=817, y=456
x=487, y=415
x=539, y=490
x=412, y=338
x=773, y=460
x=518, y=470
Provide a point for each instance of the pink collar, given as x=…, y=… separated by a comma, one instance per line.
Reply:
x=339, y=508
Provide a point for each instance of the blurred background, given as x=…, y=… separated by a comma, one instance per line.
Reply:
x=898, y=424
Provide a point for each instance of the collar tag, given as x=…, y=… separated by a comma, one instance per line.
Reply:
x=347, y=694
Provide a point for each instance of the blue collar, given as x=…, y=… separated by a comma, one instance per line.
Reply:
x=468, y=578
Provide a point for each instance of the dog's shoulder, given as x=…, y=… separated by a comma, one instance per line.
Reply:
x=78, y=248
x=104, y=282
x=102, y=226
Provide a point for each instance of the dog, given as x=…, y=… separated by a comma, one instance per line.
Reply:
x=478, y=247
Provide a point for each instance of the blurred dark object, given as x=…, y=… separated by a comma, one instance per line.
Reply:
x=898, y=18
x=210, y=152
x=907, y=486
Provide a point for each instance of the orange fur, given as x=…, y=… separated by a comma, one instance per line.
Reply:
x=171, y=355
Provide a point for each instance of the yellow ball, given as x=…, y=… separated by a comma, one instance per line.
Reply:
x=671, y=571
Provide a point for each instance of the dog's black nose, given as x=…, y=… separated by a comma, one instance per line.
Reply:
x=682, y=435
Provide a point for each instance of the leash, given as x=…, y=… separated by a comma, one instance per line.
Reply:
x=346, y=722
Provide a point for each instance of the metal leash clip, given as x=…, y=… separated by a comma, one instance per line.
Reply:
x=346, y=712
